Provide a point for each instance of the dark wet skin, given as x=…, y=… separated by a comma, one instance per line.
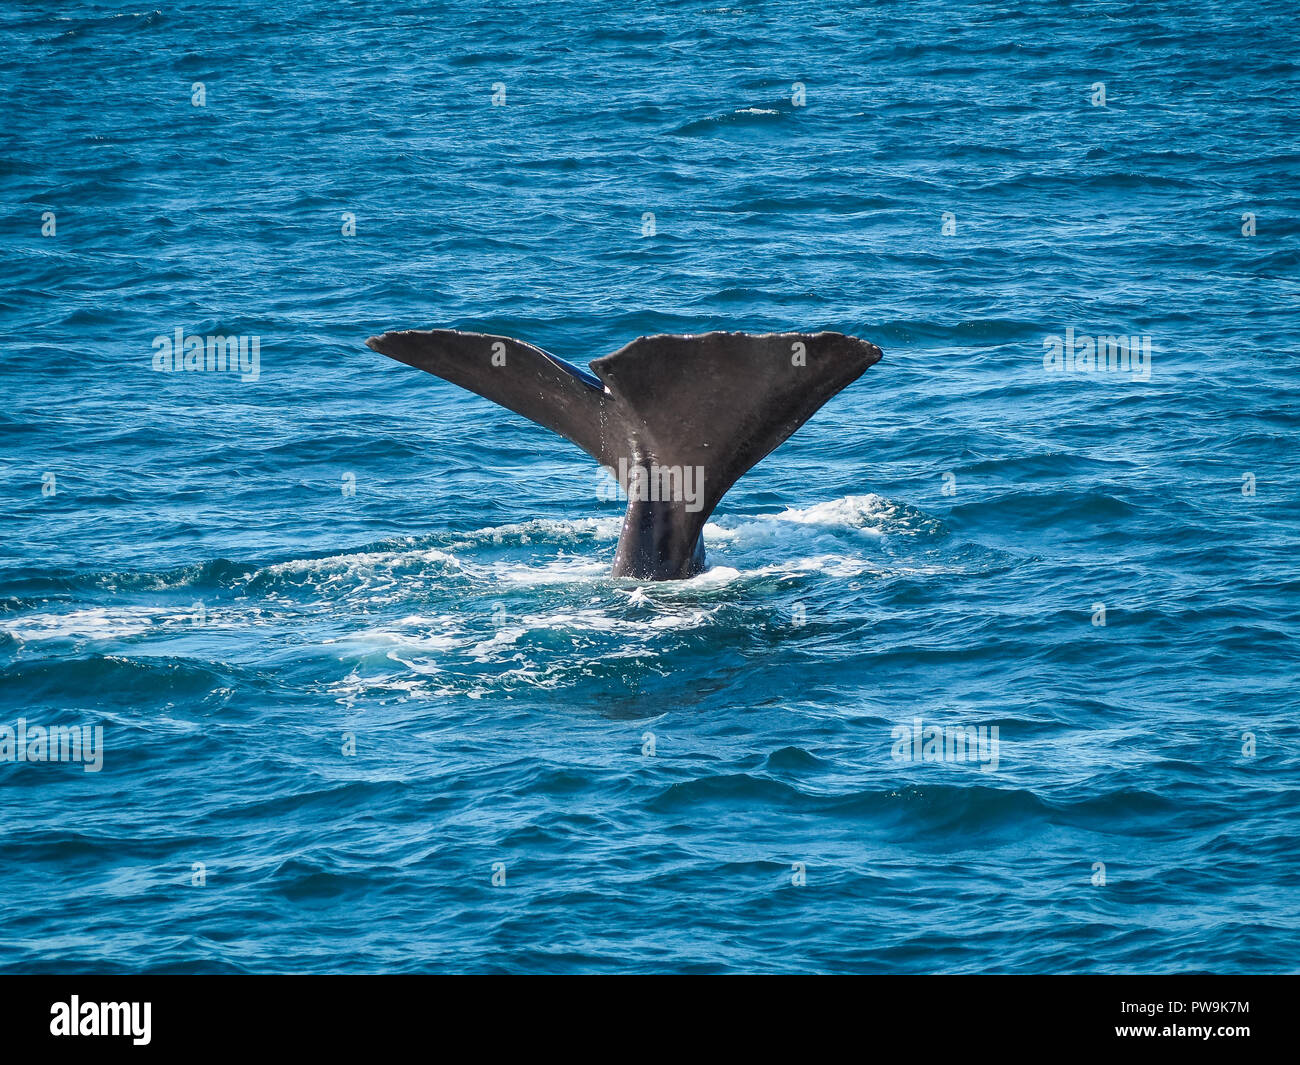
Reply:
x=677, y=417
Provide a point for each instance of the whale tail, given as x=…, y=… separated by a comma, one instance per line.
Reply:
x=676, y=419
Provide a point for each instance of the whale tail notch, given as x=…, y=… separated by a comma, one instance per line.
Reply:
x=676, y=419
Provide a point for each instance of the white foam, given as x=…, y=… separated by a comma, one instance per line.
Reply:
x=568, y=570
x=360, y=562
x=606, y=528
x=95, y=623
x=503, y=640
x=389, y=571
x=865, y=513
x=714, y=577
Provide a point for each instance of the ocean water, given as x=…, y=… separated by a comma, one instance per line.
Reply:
x=369, y=699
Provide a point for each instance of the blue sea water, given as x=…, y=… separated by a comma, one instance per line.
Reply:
x=370, y=700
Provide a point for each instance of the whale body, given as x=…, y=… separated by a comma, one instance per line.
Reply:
x=675, y=419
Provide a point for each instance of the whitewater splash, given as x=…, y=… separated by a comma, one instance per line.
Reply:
x=471, y=613
x=843, y=533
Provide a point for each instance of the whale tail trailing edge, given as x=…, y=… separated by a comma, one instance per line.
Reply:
x=676, y=419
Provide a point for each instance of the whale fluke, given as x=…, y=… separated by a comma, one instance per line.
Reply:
x=676, y=419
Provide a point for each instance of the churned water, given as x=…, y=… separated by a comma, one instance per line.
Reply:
x=369, y=699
